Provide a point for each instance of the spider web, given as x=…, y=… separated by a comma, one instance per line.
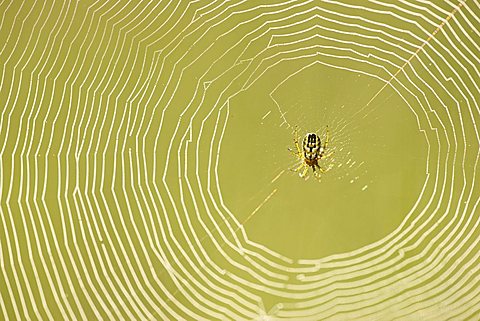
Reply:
x=121, y=156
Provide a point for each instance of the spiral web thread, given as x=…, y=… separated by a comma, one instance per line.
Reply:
x=112, y=121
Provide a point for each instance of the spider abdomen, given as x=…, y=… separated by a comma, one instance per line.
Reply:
x=310, y=153
x=311, y=146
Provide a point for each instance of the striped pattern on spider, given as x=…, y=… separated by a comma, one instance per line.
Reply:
x=310, y=153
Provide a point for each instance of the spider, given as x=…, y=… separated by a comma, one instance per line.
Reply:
x=311, y=152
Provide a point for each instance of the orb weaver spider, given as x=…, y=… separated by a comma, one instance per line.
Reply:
x=310, y=153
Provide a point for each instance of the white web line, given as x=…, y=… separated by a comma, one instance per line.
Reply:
x=139, y=205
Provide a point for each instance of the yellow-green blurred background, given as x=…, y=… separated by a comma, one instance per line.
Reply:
x=145, y=171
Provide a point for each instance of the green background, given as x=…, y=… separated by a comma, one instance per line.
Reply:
x=145, y=171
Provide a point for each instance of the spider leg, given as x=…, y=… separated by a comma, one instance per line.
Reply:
x=321, y=169
x=323, y=156
x=317, y=174
x=297, y=145
x=299, y=167
x=298, y=153
x=304, y=171
x=325, y=146
x=327, y=138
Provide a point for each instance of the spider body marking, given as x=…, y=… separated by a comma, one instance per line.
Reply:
x=311, y=152
x=312, y=148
